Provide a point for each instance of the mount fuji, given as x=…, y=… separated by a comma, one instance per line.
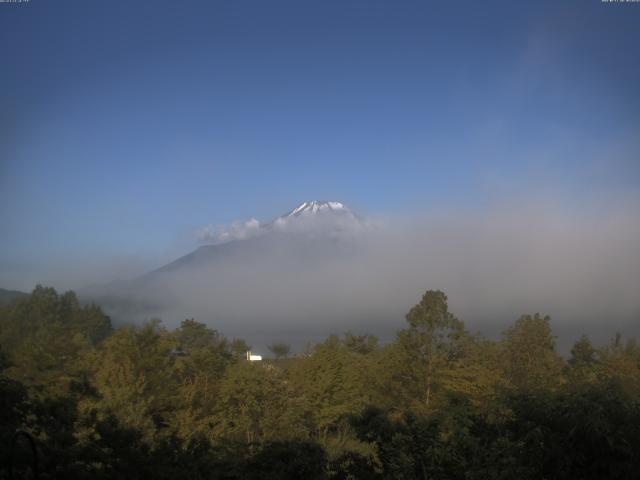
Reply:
x=312, y=228
x=281, y=272
x=315, y=207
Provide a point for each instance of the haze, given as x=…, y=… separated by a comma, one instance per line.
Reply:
x=493, y=148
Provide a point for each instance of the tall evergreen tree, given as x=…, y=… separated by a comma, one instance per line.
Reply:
x=428, y=346
x=531, y=360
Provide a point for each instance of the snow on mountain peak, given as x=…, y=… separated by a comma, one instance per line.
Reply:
x=309, y=217
x=318, y=217
x=315, y=206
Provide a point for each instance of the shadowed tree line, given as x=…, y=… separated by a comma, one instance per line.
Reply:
x=438, y=402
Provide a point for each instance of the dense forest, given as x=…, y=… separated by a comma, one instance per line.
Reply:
x=438, y=402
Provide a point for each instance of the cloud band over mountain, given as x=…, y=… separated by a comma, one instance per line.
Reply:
x=304, y=277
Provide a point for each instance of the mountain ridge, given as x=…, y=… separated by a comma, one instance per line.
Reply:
x=303, y=239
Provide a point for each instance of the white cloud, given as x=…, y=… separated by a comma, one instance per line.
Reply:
x=238, y=230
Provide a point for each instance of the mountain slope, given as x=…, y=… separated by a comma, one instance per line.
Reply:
x=275, y=268
x=7, y=296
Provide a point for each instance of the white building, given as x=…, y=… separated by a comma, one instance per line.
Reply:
x=253, y=358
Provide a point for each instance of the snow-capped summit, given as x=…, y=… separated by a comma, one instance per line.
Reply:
x=303, y=241
x=315, y=206
x=315, y=217
x=318, y=217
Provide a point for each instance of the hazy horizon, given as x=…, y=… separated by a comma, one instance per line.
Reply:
x=495, y=146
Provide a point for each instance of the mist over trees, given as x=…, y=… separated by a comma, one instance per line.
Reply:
x=437, y=402
x=317, y=276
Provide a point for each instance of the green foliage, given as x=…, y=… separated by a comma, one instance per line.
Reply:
x=531, y=361
x=46, y=335
x=143, y=402
x=287, y=461
x=424, y=351
x=593, y=432
x=332, y=382
x=362, y=344
x=239, y=348
x=353, y=466
x=13, y=408
x=8, y=296
x=256, y=405
x=280, y=349
x=584, y=363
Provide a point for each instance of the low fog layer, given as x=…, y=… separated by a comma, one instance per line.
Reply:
x=297, y=284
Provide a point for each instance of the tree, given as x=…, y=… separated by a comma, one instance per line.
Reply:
x=133, y=375
x=203, y=357
x=13, y=408
x=475, y=371
x=424, y=447
x=584, y=362
x=530, y=357
x=256, y=405
x=431, y=342
x=621, y=361
x=332, y=383
x=590, y=432
x=362, y=344
x=46, y=334
x=287, y=461
x=239, y=347
x=280, y=349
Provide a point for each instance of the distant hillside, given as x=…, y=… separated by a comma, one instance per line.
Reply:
x=278, y=274
x=7, y=296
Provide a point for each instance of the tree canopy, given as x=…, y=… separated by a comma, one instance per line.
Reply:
x=143, y=401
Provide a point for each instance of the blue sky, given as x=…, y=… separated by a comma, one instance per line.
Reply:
x=126, y=126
